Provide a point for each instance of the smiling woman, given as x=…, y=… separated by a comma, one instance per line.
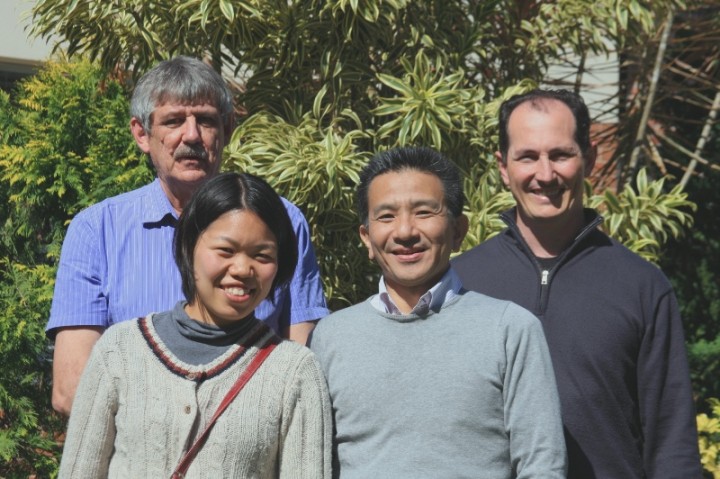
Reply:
x=235, y=265
x=233, y=235
x=160, y=381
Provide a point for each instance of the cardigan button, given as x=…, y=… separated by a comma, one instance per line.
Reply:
x=188, y=409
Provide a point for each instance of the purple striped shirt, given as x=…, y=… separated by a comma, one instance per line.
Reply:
x=117, y=263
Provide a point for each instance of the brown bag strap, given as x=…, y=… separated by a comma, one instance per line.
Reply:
x=239, y=384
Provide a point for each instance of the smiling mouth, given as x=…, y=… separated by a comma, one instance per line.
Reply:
x=190, y=158
x=408, y=255
x=549, y=193
x=234, y=291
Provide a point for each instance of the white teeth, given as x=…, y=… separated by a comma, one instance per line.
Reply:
x=549, y=193
x=236, y=291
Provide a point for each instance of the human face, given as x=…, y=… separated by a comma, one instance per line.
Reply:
x=235, y=262
x=545, y=168
x=410, y=232
x=185, y=145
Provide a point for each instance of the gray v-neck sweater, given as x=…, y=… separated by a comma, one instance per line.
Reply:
x=464, y=392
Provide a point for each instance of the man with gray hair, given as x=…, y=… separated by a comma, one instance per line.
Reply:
x=117, y=261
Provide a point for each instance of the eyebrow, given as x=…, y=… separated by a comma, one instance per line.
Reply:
x=264, y=244
x=572, y=149
x=182, y=109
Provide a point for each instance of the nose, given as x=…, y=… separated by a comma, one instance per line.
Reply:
x=240, y=266
x=405, y=228
x=191, y=132
x=544, y=171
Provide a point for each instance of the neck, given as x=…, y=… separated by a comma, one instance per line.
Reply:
x=179, y=196
x=407, y=297
x=549, y=238
x=197, y=311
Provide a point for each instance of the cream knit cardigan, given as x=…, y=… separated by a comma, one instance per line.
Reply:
x=137, y=409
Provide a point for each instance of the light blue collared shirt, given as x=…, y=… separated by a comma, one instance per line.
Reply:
x=447, y=288
x=117, y=263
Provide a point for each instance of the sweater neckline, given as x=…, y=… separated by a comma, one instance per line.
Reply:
x=411, y=317
x=199, y=373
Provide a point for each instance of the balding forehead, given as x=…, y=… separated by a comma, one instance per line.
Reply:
x=543, y=104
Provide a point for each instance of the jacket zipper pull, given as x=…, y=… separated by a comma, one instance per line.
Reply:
x=544, y=279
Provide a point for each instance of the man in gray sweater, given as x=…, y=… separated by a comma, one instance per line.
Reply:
x=427, y=379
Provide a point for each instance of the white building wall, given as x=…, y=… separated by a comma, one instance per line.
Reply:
x=19, y=55
x=599, y=84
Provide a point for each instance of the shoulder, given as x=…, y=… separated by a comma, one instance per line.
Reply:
x=625, y=265
x=120, y=335
x=292, y=350
x=132, y=198
x=472, y=300
x=294, y=360
x=485, y=247
x=300, y=225
x=624, y=254
x=498, y=325
x=501, y=312
x=341, y=325
x=344, y=317
x=296, y=215
x=488, y=252
x=124, y=328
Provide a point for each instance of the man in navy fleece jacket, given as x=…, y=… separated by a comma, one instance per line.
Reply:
x=610, y=318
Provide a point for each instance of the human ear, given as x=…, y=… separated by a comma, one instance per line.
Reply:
x=365, y=237
x=141, y=135
x=503, y=168
x=461, y=225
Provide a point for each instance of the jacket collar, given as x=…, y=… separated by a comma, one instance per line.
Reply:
x=591, y=221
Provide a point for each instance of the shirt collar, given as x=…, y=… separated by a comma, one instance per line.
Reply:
x=158, y=211
x=448, y=287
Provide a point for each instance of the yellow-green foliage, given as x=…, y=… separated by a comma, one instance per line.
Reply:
x=319, y=167
x=644, y=218
x=709, y=432
x=64, y=144
x=323, y=84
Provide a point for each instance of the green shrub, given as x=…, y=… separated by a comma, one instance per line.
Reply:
x=67, y=146
x=704, y=358
x=64, y=144
x=644, y=217
x=709, y=432
x=28, y=428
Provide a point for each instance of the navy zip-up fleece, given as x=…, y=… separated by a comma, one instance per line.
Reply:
x=616, y=341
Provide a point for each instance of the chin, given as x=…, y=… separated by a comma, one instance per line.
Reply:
x=196, y=179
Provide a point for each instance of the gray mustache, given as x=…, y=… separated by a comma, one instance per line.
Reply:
x=197, y=152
